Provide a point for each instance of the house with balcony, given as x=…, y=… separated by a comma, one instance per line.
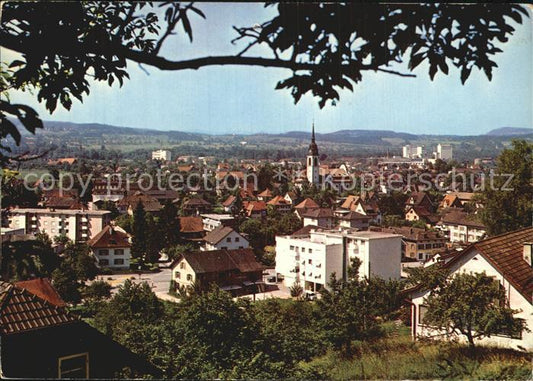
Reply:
x=78, y=225
x=312, y=256
x=460, y=226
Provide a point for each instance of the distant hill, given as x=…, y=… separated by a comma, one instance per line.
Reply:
x=510, y=131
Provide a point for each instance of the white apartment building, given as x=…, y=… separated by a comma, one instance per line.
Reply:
x=411, y=152
x=444, y=152
x=77, y=225
x=311, y=259
x=161, y=154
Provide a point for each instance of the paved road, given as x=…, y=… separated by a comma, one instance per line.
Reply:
x=160, y=282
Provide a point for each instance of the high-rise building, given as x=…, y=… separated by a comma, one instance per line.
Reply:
x=411, y=152
x=444, y=151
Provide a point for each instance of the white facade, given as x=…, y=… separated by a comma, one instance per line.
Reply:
x=113, y=258
x=444, y=151
x=232, y=241
x=411, y=152
x=462, y=233
x=77, y=225
x=161, y=154
x=313, y=169
x=474, y=262
x=213, y=221
x=312, y=259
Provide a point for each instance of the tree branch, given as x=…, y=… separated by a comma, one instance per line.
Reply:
x=196, y=63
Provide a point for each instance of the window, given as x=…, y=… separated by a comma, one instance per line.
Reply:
x=228, y=239
x=119, y=261
x=236, y=239
x=74, y=366
x=310, y=261
x=291, y=247
x=303, y=249
x=420, y=246
x=420, y=256
x=103, y=262
x=189, y=277
x=224, y=248
x=119, y=251
x=103, y=252
x=177, y=275
x=310, y=251
x=182, y=265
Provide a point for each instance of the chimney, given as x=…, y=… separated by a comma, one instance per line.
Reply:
x=527, y=253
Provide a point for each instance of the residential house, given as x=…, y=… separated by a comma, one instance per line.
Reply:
x=507, y=259
x=129, y=203
x=192, y=229
x=255, y=209
x=421, y=213
x=224, y=238
x=111, y=248
x=450, y=201
x=236, y=271
x=417, y=243
x=77, y=225
x=196, y=206
x=309, y=258
x=265, y=195
x=460, y=226
x=280, y=205
x=291, y=198
x=322, y=217
x=419, y=200
x=40, y=339
x=354, y=220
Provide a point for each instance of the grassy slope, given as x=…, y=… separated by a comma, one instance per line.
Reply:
x=398, y=357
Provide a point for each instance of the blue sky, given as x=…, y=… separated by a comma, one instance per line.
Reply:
x=234, y=99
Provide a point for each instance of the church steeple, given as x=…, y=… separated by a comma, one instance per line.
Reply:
x=312, y=159
x=313, y=148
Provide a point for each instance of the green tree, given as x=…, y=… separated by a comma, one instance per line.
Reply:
x=155, y=239
x=61, y=45
x=170, y=225
x=22, y=260
x=473, y=305
x=66, y=283
x=139, y=230
x=508, y=207
x=97, y=291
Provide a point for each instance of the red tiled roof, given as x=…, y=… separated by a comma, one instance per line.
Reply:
x=191, y=225
x=22, y=311
x=318, y=213
x=110, y=237
x=308, y=203
x=352, y=216
x=229, y=201
x=278, y=200
x=266, y=193
x=43, y=289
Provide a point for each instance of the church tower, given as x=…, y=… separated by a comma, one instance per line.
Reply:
x=312, y=160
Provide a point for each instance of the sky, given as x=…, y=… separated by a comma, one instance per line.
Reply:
x=242, y=100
